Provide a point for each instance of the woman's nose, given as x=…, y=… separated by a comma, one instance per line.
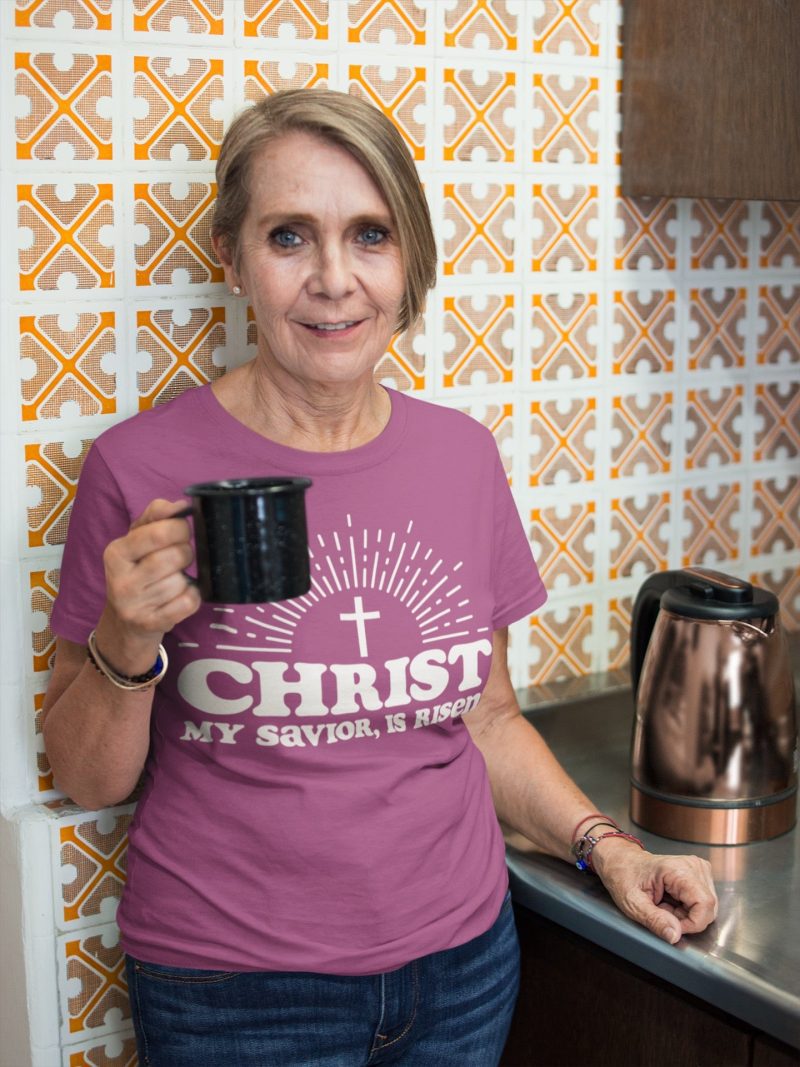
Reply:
x=333, y=273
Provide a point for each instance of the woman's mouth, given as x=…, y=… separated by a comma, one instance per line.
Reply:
x=332, y=329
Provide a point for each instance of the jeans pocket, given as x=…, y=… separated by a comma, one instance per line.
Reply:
x=188, y=975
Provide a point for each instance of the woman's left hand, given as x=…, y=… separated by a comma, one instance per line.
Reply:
x=670, y=895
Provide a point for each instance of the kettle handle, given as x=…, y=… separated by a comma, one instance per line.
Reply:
x=645, y=612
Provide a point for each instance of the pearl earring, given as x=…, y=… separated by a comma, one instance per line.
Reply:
x=237, y=290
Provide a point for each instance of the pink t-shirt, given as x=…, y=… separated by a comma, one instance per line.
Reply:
x=313, y=800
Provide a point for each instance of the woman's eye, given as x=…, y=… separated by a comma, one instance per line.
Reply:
x=373, y=235
x=285, y=238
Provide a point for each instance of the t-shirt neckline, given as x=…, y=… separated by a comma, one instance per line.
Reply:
x=296, y=459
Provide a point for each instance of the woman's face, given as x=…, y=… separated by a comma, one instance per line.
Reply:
x=320, y=263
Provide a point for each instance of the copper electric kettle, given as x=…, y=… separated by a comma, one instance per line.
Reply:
x=714, y=752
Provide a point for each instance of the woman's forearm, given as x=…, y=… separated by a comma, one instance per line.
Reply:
x=532, y=793
x=96, y=735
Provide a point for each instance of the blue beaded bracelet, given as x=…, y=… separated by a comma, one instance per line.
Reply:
x=126, y=681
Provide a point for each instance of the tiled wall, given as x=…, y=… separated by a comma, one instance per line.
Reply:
x=637, y=360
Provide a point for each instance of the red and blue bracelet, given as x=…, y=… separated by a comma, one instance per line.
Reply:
x=583, y=847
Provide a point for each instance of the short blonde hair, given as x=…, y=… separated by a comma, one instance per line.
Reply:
x=363, y=131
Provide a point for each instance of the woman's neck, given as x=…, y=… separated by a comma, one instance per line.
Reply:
x=316, y=418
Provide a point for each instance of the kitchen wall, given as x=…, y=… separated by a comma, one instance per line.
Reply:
x=637, y=360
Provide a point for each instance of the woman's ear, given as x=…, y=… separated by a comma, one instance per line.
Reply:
x=224, y=254
x=222, y=248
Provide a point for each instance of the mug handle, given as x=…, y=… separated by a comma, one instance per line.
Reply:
x=186, y=513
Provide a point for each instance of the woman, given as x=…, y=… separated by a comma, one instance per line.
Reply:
x=316, y=871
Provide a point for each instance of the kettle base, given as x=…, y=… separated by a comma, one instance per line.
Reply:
x=712, y=825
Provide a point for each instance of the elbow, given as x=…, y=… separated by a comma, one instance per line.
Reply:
x=89, y=791
x=91, y=798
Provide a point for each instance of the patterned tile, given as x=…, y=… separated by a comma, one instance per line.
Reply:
x=717, y=320
x=499, y=418
x=67, y=363
x=44, y=773
x=562, y=441
x=639, y=535
x=775, y=515
x=641, y=435
x=711, y=524
x=615, y=132
x=252, y=331
x=265, y=76
x=777, y=421
x=68, y=106
x=485, y=25
x=566, y=29
x=65, y=236
x=565, y=118
x=387, y=23
x=780, y=235
x=478, y=333
x=400, y=92
x=643, y=331
x=287, y=20
x=116, y=1050
x=559, y=644
x=403, y=366
x=645, y=233
x=616, y=22
x=175, y=101
x=618, y=628
x=479, y=228
x=719, y=234
x=778, y=325
x=51, y=477
x=564, y=539
x=565, y=227
x=784, y=582
x=173, y=228
x=564, y=336
x=91, y=868
x=182, y=346
x=93, y=979
x=713, y=427
x=478, y=105
x=64, y=14
x=179, y=16
x=43, y=591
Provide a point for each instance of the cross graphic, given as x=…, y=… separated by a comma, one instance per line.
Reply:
x=359, y=617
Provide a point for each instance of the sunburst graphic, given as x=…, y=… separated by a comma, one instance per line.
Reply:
x=358, y=562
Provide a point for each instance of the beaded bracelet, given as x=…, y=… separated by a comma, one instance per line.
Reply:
x=579, y=843
x=583, y=848
x=126, y=681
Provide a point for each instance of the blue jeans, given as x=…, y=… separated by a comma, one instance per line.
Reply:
x=448, y=1009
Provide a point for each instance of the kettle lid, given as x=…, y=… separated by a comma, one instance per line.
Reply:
x=710, y=595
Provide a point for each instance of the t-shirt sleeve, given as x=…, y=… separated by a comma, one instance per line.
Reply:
x=99, y=515
x=518, y=587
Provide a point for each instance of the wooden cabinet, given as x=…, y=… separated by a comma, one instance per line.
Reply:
x=711, y=99
x=580, y=1006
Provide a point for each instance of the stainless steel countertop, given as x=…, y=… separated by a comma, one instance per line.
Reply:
x=748, y=962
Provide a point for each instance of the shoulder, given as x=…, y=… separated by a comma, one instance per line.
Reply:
x=154, y=427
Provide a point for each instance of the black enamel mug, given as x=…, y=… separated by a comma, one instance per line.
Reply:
x=251, y=539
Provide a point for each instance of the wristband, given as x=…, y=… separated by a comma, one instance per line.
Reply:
x=584, y=846
x=126, y=681
x=594, y=815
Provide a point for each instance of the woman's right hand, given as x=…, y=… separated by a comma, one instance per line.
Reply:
x=147, y=591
